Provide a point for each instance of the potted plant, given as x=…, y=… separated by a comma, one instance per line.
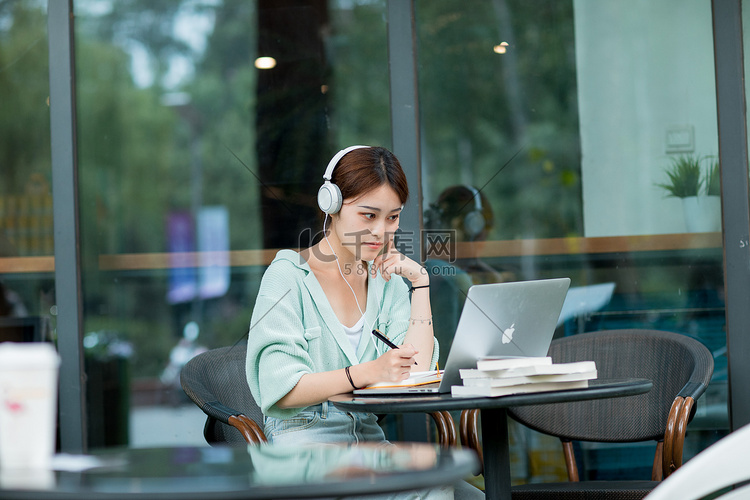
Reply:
x=685, y=177
x=713, y=178
x=699, y=192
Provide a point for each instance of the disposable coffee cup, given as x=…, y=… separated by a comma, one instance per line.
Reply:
x=28, y=404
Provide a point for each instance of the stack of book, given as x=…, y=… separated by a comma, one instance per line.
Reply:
x=501, y=376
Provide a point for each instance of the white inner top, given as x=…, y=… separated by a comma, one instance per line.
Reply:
x=355, y=332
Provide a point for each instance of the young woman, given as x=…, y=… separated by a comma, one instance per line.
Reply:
x=310, y=334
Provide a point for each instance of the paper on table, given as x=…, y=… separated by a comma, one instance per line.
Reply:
x=416, y=378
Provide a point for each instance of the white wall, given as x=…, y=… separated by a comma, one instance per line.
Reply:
x=644, y=66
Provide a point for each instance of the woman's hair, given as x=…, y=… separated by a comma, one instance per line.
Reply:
x=365, y=169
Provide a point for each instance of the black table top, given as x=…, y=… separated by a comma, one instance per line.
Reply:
x=260, y=472
x=598, y=389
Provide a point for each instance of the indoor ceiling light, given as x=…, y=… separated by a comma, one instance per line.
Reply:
x=501, y=48
x=265, y=63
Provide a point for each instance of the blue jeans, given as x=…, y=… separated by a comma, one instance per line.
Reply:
x=324, y=423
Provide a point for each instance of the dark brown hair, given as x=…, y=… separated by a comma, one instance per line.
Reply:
x=365, y=169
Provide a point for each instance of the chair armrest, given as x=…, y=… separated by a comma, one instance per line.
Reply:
x=218, y=411
x=674, y=438
x=684, y=417
x=469, y=430
x=250, y=430
x=446, y=428
x=692, y=390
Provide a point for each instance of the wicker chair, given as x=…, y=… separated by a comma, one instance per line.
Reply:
x=680, y=368
x=215, y=381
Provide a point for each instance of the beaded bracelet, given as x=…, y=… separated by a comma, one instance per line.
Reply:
x=349, y=376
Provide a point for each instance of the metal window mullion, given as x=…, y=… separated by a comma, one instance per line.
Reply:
x=66, y=230
x=402, y=65
x=402, y=70
x=733, y=155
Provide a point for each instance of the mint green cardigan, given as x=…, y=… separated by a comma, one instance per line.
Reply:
x=294, y=331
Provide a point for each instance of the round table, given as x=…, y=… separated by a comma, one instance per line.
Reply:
x=493, y=415
x=258, y=472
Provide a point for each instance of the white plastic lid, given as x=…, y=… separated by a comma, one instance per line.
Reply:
x=20, y=355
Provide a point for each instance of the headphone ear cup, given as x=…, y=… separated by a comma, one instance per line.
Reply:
x=329, y=198
x=474, y=224
x=432, y=217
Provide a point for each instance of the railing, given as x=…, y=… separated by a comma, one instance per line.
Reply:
x=485, y=249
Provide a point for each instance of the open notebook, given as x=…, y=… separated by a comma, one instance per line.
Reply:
x=498, y=319
x=416, y=379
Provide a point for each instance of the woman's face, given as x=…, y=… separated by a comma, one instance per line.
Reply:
x=364, y=225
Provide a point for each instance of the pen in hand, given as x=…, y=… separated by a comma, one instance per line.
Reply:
x=385, y=340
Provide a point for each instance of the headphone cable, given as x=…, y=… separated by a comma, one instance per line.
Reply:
x=325, y=235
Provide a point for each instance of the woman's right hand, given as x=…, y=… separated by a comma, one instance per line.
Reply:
x=393, y=366
x=312, y=388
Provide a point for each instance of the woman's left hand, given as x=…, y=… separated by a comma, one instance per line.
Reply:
x=393, y=262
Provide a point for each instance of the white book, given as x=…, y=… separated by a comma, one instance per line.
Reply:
x=546, y=369
x=466, y=373
x=492, y=392
x=505, y=362
x=533, y=379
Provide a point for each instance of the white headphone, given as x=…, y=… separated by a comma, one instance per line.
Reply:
x=474, y=221
x=330, y=201
x=329, y=194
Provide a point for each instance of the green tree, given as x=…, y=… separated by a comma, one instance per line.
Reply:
x=24, y=85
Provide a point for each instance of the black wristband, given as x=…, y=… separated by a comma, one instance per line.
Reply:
x=418, y=287
x=349, y=376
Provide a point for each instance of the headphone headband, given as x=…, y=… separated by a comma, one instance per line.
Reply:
x=329, y=194
x=476, y=196
x=474, y=221
x=336, y=158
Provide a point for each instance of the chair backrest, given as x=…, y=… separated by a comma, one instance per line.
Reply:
x=677, y=364
x=215, y=381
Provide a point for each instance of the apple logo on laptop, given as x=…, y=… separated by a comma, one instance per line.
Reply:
x=508, y=334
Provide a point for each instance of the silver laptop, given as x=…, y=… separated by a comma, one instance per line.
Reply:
x=499, y=319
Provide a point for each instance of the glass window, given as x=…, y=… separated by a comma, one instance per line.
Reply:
x=26, y=232
x=746, y=44
x=549, y=131
x=204, y=129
